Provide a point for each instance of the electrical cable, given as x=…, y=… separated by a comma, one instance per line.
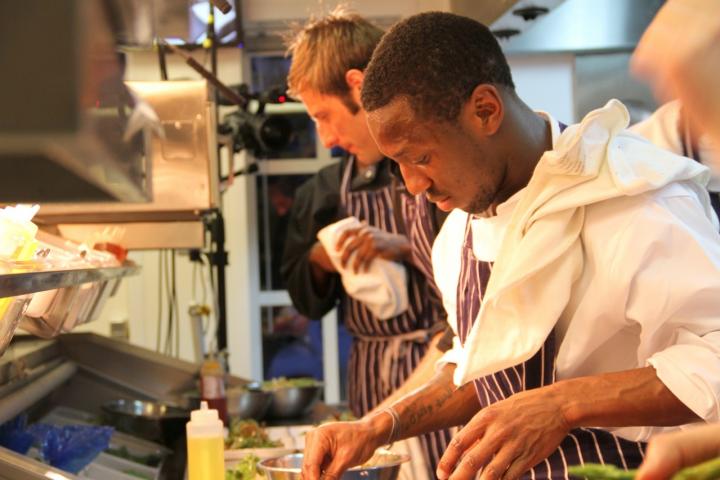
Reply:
x=168, y=295
x=161, y=59
x=177, y=307
x=160, y=304
x=212, y=347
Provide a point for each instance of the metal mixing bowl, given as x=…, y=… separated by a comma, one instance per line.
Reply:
x=248, y=402
x=293, y=402
x=149, y=420
x=386, y=467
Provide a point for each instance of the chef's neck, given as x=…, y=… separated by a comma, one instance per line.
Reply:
x=526, y=137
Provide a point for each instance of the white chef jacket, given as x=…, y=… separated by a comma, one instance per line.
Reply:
x=662, y=129
x=648, y=292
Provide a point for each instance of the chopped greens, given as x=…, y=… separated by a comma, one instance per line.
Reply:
x=283, y=382
x=595, y=471
x=591, y=471
x=248, y=434
x=245, y=469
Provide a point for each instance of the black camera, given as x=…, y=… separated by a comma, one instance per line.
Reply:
x=257, y=132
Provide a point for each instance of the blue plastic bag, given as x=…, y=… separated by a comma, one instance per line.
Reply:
x=13, y=435
x=71, y=447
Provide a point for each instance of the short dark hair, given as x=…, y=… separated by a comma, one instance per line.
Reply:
x=435, y=60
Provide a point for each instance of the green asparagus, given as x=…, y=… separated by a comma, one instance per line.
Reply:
x=709, y=470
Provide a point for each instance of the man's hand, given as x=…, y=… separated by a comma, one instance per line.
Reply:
x=668, y=453
x=333, y=448
x=506, y=439
x=368, y=242
x=319, y=258
x=320, y=269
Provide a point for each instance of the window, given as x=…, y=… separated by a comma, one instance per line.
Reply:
x=292, y=345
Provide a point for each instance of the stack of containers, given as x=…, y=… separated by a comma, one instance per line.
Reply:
x=56, y=311
x=46, y=314
x=17, y=251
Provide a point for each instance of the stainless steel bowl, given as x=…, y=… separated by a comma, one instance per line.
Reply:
x=386, y=466
x=153, y=421
x=249, y=402
x=293, y=402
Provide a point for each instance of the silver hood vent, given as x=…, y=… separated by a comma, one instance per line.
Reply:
x=585, y=26
x=507, y=18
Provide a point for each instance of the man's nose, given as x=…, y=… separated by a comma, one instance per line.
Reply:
x=415, y=181
x=327, y=136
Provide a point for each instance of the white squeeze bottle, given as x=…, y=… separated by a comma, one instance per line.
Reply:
x=206, y=459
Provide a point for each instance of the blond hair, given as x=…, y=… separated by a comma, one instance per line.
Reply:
x=326, y=48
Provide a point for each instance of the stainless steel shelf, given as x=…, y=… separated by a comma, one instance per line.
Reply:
x=14, y=284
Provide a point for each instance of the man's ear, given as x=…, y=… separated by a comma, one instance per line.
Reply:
x=354, y=78
x=486, y=108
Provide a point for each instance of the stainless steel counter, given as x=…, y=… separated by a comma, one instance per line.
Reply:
x=82, y=372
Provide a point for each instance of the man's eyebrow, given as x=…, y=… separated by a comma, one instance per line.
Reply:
x=400, y=153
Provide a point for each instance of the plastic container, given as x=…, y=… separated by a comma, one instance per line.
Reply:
x=48, y=322
x=205, y=445
x=13, y=308
x=17, y=243
x=17, y=232
x=212, y=387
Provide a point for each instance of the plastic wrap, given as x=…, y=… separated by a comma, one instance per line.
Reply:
x=71, y=447
x=14, y=435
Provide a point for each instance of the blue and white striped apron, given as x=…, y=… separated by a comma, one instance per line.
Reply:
x=402, y=340
x=582, y=445
x=422, y=235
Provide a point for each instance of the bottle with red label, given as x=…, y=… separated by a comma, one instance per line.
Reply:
x=212, y=386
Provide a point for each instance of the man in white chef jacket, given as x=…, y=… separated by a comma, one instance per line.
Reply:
x=672, y=128
x=580, y=269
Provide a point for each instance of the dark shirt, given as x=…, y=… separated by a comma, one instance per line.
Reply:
x=316, y=205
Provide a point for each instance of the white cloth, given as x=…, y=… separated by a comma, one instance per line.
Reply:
x=661, y=128
x=618, y=252
x=382, y=288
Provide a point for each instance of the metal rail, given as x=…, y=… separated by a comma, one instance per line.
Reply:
x=14, y=284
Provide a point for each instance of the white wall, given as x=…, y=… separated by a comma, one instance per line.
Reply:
x=545, y=82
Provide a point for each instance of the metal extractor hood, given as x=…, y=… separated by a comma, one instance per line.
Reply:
x=63, y=134
x=586, y=26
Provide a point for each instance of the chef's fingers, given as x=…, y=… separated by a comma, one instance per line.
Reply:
x=347, y=234
x=479, y=457
x=350, y=247
x=509, y=463
x=669, y=452
x=365, y=254
x=459, y=445
x=335, y=469
x=313, y=456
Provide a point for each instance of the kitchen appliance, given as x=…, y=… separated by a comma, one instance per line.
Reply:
x=183, y=154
